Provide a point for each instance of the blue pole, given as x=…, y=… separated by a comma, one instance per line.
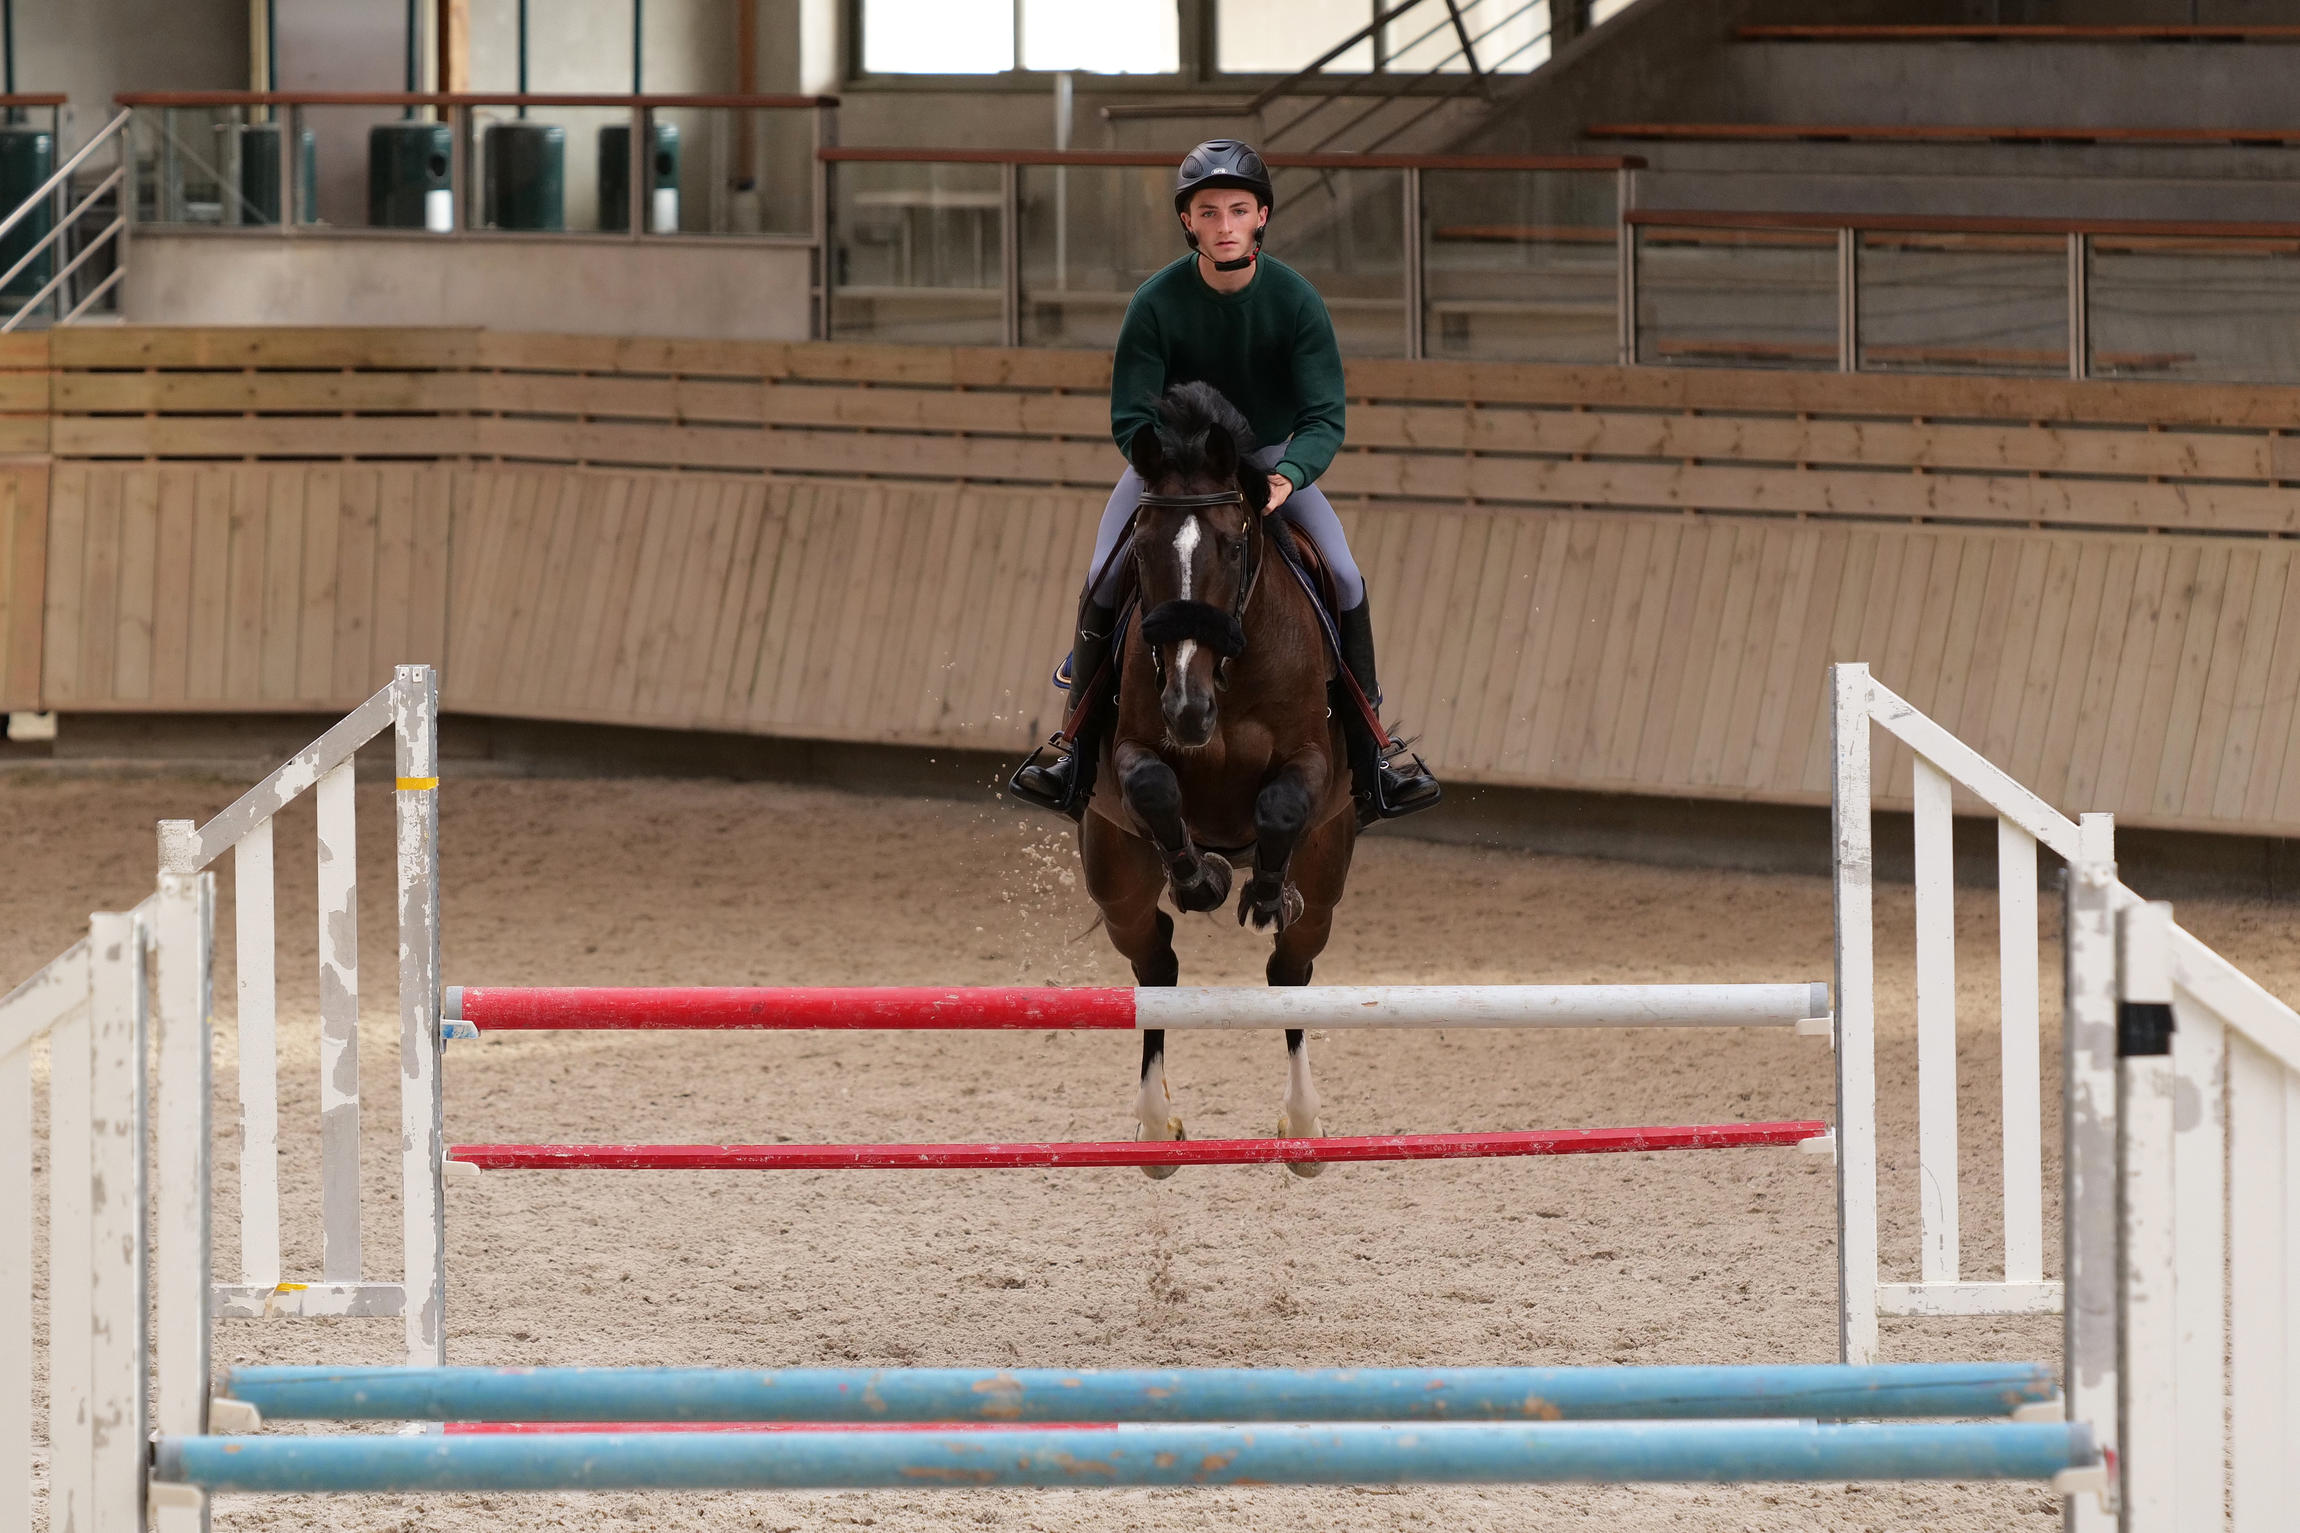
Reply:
x=1172, y=1395
x=1459, y=1453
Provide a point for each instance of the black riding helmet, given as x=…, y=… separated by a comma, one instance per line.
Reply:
x=1222, y=162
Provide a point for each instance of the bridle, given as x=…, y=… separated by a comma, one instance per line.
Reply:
x=1246, y=586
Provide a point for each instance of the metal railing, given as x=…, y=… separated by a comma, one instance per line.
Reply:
x=2080, y=298
x=57, y=291
x=1505, y=256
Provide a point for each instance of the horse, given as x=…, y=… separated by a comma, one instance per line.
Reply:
x=1224, y=752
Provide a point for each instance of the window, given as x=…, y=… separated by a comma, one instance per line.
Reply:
x=1508, y=37
x=978, y=37
x=1278, y=37
x=1281, y=36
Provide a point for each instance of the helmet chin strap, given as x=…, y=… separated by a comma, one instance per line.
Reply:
x=1240, y=264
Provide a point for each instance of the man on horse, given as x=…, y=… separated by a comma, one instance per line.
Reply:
x=1256, y=330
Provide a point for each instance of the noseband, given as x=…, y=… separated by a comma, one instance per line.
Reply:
x=1175, y=619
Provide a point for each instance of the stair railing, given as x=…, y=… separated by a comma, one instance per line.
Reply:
x=113, y=134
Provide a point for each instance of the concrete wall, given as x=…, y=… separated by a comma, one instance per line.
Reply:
x=93, y=49
x=585, y=286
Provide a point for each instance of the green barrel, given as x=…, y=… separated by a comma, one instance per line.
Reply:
x=408, y=163
x=260, y=174
x=27, y=158
x=615, y=177
x=526, y=186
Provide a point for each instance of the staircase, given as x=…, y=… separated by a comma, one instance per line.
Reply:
x=2157, y=109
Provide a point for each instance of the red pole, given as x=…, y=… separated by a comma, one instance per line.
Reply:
x=494, y=1008
x=1200, y=1152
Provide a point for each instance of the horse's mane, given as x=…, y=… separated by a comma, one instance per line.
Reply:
x=1188, y=416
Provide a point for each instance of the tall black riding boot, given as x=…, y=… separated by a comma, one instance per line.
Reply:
x=1391, y=783
x=1062, y=784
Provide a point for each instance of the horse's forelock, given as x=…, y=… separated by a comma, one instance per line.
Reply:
x=1188, y=417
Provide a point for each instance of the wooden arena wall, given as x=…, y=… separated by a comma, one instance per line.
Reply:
x=1590, y=578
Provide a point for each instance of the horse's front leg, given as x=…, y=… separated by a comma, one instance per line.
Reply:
x=1321, y=861
x=1154, y=793
x=1281, y=811
x=1123, y=877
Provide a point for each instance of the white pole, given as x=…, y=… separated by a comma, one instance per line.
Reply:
x=1853, y=864
x=2149, y=1428
x=2089, y=1151
x=1936, y=893
x=180, y=1220
x=253, y=888
x=71, y=1238
x=338, y=1026
x=118, y=1009
x=2018, y=1030
x=16, y=1184
x=423, y=1135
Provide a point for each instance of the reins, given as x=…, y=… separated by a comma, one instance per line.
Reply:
x=1255, y=533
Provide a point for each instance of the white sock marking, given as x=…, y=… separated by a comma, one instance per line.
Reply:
x=1302, y=1105
x=1153, y=1107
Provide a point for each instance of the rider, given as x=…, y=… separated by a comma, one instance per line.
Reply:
x=1254, y=328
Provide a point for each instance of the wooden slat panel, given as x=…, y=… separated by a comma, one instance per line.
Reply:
x=174, y=493
x=1497, y=676
x=1578, y=700
x=282, y=583
x=939, y=653
x=877, y=689
x=1776, y=753
x=2031, y=705
x=2087, y=643
x=207, y=661
x=1469, y=643
x=78, y=347
x=138, y=580
x=357, y=670
x=2191, y=789
x=100, y=588
x=2220, y=777
x=395, y=535
x=2277, y=715
x=23, y=581
x=67, y=538
x=1727, y=558
x=321, y=595
x=2175, y=725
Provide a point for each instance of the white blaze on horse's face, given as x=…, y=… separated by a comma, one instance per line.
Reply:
x=1186, y=551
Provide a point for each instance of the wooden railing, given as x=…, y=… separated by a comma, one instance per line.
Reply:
x=1613, y=579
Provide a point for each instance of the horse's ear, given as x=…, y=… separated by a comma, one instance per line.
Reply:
x=1145, y=453
x=1221, y=453
x=1254, y=485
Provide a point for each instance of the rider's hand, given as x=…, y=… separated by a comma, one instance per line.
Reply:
x=1280, y=488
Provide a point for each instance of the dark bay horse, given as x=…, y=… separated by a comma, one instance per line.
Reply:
x=1224, y=753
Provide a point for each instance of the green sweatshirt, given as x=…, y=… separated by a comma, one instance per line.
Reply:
x=1268, y=347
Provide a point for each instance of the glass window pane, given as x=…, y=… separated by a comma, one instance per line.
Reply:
x=938, y=37
x=1737, y=297
x=1964, y=303
x=1520, y=265
x=1508, y=36
x=2194, y=308
x=1109, y=37
x=1280, y=36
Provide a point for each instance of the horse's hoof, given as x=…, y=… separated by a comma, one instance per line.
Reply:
x=1304, y=1169
x=1265, y=913
x=1208, y=890
x=1173, y=1131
